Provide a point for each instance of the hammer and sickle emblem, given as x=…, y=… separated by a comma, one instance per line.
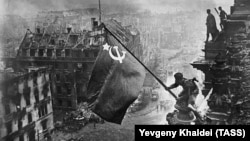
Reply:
x=119, y=57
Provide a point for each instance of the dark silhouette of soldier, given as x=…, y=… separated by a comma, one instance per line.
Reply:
x=223, y=18
x=189, y=93
x=211, y=26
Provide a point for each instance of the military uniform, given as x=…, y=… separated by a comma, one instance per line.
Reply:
x=211, y=26
x=223, y=16
x=188, y=94
x=186, y=100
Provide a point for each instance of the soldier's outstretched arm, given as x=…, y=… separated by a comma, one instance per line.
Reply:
x=172, y=86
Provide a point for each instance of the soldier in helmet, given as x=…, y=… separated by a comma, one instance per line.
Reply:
x=223, y=18
x=187, y=97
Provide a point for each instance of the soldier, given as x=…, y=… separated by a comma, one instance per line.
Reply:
x=211, y=26
x=223, y=18
x=188, y=95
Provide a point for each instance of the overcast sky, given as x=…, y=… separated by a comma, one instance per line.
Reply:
x=24, y=7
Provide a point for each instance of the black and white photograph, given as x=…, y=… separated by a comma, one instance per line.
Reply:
x=92, y=70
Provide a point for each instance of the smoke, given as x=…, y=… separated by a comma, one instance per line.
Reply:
x=176, y=5
x=31, y=7
x=26, y=8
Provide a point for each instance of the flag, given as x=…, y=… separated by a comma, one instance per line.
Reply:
x=115, y=82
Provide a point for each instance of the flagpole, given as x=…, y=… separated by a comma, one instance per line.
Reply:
x=100, y=12
x=166, y=88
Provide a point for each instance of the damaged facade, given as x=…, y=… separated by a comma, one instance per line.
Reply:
x=26, y=106
x=226, y=69
x=71, y=54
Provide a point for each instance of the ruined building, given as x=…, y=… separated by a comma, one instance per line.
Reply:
x=71, y=56
x=226, y=69
x=26, y=105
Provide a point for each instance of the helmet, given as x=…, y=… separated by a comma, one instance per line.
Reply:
x=208, y=11
x=178, y=76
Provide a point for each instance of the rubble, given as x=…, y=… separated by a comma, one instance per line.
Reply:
x=75, y=120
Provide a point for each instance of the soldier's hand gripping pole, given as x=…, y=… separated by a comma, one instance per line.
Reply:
x=165, y=87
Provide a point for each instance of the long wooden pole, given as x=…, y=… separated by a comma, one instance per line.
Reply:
x=100, y=12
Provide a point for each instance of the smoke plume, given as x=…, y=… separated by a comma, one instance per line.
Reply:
x=29, y=7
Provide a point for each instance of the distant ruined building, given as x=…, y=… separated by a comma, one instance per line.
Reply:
x=26, y=105
x=71, y=55
x=52, y=68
